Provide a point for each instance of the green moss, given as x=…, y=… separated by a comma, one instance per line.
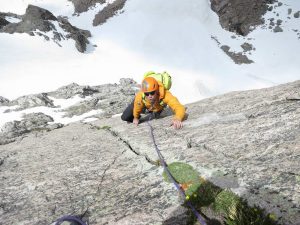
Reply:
x=224, y=203
x=206, y=193
x=272, y=216
x=184, y=174
x=297, y=179
x=104, y=127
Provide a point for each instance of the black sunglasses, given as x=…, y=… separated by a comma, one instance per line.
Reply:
x=150, y=93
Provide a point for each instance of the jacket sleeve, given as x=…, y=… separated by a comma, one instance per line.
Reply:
x=175, y=105
x=138, y=105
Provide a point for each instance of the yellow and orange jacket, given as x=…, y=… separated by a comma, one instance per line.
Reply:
x=165, y=98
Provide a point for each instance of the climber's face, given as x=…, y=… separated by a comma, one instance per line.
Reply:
x=151, y=96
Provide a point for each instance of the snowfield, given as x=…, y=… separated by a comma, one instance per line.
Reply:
x=180, y=37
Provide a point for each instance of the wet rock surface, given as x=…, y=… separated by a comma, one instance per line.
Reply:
x=39, y=21
x=105, y=170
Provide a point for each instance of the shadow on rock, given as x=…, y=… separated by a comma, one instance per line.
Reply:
x=216, y=205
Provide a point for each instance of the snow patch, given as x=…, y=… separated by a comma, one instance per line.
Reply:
x=12, y=19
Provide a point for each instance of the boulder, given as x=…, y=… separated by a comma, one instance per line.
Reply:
x=31, y=122
x=277, y=29
x=3, y=101
x=71, y=90
x=109, y=98
x=247, y=47
x=34, y=100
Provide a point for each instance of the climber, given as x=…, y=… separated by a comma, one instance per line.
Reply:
x=153, y=98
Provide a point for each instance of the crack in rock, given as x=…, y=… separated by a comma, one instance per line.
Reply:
x=2, y=159
x=107, y=168
x=126, y=143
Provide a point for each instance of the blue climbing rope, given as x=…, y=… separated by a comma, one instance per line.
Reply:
x=70, y=219
x=163, y=162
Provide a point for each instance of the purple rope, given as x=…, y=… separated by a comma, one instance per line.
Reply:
x=71, y=219
x=163, y=162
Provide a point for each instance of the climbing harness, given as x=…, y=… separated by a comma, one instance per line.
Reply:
x=163, y=162
x=70, y=219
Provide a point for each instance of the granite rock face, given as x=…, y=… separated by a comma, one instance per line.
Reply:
x=105, y=171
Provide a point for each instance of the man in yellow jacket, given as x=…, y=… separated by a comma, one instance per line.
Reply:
x=154, y=97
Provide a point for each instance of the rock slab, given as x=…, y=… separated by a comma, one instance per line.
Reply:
x=105, y=171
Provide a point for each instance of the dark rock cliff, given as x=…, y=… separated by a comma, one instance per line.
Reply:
x=240, y=15
x=39, y=21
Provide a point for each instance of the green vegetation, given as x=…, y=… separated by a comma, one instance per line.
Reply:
x=104, y=128
x=229, y=207
x=185, y=175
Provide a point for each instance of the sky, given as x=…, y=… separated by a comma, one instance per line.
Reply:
x=157, y=35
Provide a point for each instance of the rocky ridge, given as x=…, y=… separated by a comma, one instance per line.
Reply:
x=232, y=17
x=39, y=21
x=241, y=16
x=106, y=171
x=109, y=10
x=110, y=98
